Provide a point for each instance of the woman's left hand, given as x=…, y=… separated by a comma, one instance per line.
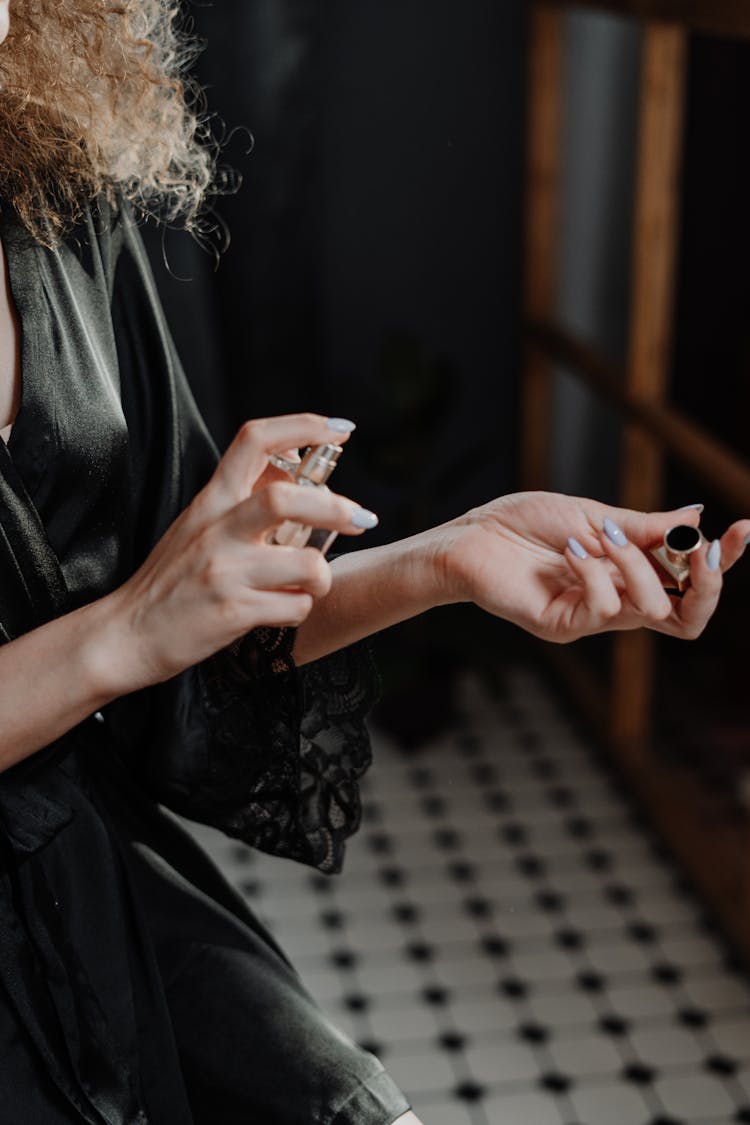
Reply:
x=513, y=557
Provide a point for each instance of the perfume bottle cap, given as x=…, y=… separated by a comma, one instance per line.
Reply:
x=681, y=541
x=318, y=463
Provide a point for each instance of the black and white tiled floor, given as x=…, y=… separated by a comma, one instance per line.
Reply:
x=510, y=940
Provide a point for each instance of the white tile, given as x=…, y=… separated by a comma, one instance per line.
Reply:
x=470, y=969
x=731, y=1034
x=610, y=1104
x=518, y=1109
x=717, y=991
x=667, y=1045
x=691, y=950
x=444, y=1113
x=502, y=1062
x=535, y=967
x=324, y=984
x=420, y=1071
x=624, y=958
x=585, y=1055
x=695, y=1097
x=566, y=1010
x=397, y=1025
x=641, y=999
x=399, y=977
x=483, y=1015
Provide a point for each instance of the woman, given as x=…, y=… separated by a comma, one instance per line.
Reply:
x=150, y=647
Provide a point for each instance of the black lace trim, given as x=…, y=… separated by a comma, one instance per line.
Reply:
x=287, y=746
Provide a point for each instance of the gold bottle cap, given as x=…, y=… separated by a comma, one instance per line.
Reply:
x=681, y=541
x=318, y=463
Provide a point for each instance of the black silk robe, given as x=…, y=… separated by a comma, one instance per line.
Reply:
x=106, y=451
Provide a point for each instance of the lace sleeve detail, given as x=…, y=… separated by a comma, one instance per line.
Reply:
x=285, y=747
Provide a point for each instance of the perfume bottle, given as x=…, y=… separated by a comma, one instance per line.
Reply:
x=673, y=556
x=312, y=471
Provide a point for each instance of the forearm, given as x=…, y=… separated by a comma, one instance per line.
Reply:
x=57, y=675
x=375, y=588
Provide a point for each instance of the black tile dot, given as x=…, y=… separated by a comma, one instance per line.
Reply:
x=484, y=774
x=421, y=777
x=570, y=939
x=392, y=876
x=667, y=974
x=374, y=1047
x=598, y=859
x=406, y=912
x=544, y=768
x=251, y=888
x=447, y=839
x=614, y=1025
x=372, y=812
x=469, y=745
x=642, y=933
x=332, y=919
x=591, y=982
x=435, y=995
x=533, y=1033
x=356, y=1002
x=743, y=1114
x=579, y=827
x=513, y=988
x=721, y=1064
x=618, y=894
x=452, y=1041
x=321, y=884
x=693, y=1017
x=555, y=1083
x=561, y=796
x=514, y=833
x=497, y=801
x=469, y=1092
x=529, y=739
x=531, y=866
x=380, y=843
x=344, y=958
x=665, y=1121
x=434, y=806
x=461, y=871
x=639, y=1074
x=478, y=907
x=495, y=946
x=420, y=951
x=550, y=901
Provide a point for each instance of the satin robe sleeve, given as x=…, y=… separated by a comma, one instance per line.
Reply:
x=246, y=742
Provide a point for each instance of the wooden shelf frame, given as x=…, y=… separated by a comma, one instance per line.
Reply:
x=713, y=845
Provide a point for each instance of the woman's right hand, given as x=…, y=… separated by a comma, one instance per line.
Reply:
x=214, y=575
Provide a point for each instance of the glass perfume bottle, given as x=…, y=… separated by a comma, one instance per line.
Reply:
x=312, y=471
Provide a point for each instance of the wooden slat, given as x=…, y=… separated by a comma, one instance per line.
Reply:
x=541, y=233
x=721, y=470
x=729, y=18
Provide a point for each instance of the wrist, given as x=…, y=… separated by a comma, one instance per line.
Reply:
x=439, y=551
x=107, y=651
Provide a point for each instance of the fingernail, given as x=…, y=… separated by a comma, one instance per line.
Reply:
x=363, y=519
x=713, y=558
x=694, y=507
x=579, y=551
x=614, y=533
x=341, y=425
x=746, y=541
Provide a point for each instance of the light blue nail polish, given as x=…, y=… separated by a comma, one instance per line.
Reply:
x=746, y=541
x=614, y=533
x=691, y=507
x=363, y=519
x=713, y=558
x=579, y=551
x=341, y=425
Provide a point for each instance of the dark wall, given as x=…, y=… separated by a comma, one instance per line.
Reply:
x=373, y=268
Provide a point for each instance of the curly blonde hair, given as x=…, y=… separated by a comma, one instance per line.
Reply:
x=94, y=101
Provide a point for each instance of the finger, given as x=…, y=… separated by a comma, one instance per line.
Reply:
x=247, y=456
x=644, y=590
x=287, y=568
x=255, y=517
x=644, y=529
x=600, y=601
x=734, y=543
x=285, y=609
x=698, y=603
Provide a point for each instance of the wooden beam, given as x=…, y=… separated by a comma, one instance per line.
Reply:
x=543, y=156
x=721, y=470
x=727, y=18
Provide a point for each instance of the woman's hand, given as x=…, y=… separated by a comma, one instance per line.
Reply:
x=214, y=575
x=545, y=562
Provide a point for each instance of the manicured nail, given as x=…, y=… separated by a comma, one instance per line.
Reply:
x=713, y=558
x=341, y=425
x=364, y=519
x=694, y=507
x=614, y=533
x=579, y=551
x=746, y=541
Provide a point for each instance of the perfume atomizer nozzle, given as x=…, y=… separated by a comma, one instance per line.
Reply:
x=673, y=555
